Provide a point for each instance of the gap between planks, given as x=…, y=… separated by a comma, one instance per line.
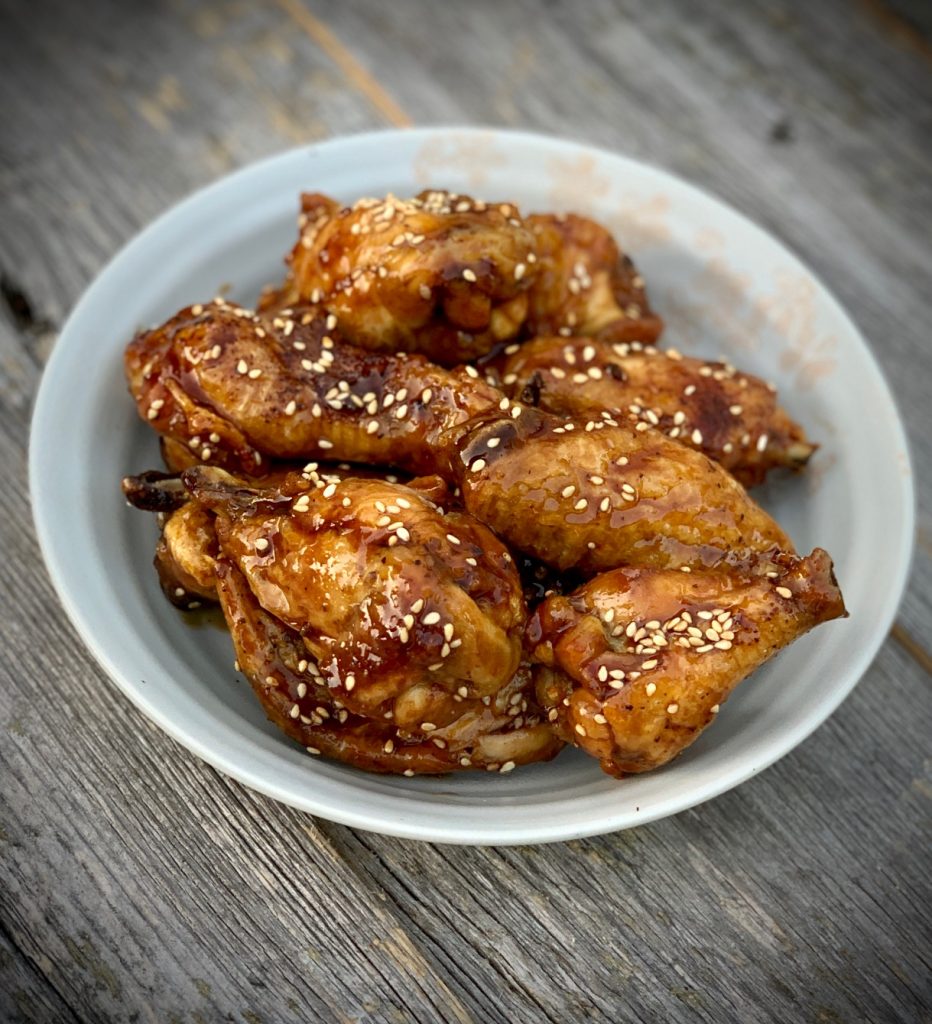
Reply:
x=355, y=73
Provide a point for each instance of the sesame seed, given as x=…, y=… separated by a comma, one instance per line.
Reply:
x=408, y=773
x=603, y=673
x=762, y=442
x=690, y=389
x=312, y=750
x=262, y=544
x=651, y=663
x=418, y=605
x=349, y=682
x=295, y=711
x=605, y=504
x=784, y=592
x=469, y=275
x=431, y=618
x=329, y=490
x=672, y=709
x=242, y=366
x=581, y=504
x=650, y=689
x=696, y=436
x=580, y=729
x=507, y=767
x=599, y=719
x=477, y=466
x=715, y=708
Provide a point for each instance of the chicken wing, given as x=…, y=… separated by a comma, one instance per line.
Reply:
x=584, y=285
x=495, y=733
x=386, y=589
x=441, y=274
x=730, y=416
x=637, y=662
x=237, y=389
x=598, y=494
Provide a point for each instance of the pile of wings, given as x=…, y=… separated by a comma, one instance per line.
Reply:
x=456, y=506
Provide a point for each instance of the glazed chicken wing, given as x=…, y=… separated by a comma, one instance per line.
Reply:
x=441, y=274
x=637, y=662
x=598, y=494
x=584, y=285
x=237, y=389
x=405, y=614
x=730, y=416
x=494, y=734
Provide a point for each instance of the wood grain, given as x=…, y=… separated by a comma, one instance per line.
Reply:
x=138, y=884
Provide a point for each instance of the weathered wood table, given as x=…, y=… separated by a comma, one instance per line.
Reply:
x=137, y=884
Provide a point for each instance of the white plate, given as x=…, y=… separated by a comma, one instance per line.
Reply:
x=723, y=285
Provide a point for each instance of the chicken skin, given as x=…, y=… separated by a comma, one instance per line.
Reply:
x=402, y=613
x=238, y=389
x=637, y=662
x=495, y=733
x=590, y=494
x=730, y=416
x=598, y=494
x=584, y=285
x=441, y=274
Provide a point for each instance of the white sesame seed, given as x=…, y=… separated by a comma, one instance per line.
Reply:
x=262, y=544
x=650, y=689
x=477, y=466
x=469, y=275
x=784, y=592
x=672, y=709
x=431, y=618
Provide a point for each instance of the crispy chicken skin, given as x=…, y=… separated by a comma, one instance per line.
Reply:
x=584, y=285
x=590, y=494
x=637, y=662
x=237, y=389
x=730, y=416
x=495, y=735
x=441, y=274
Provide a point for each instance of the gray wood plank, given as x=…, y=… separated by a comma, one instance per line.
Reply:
x=139, y=884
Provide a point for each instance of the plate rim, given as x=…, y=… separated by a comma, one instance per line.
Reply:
x=383, y=822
